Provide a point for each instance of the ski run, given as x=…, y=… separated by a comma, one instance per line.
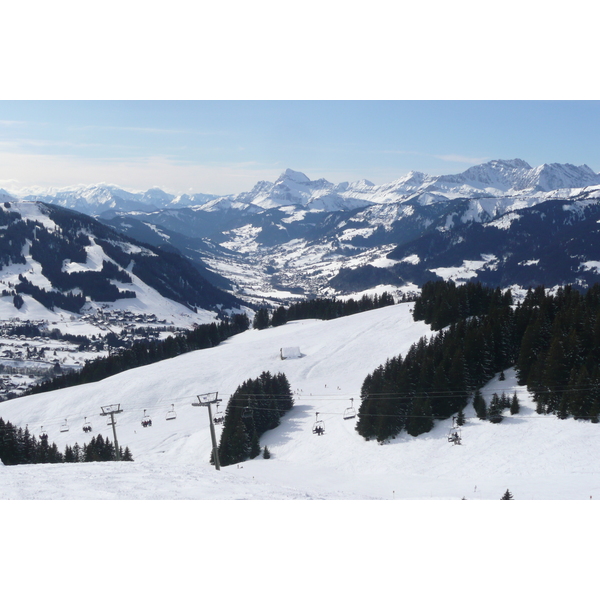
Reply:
x=535, y=456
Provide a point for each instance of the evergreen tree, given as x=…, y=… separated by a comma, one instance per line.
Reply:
x=479, y=405
x=507, y=496
x=254, y=446
x=460, y=419
x=495, y=410
x=514, y=405
x=266, y=453
x=279, y=316
x=261, y=319
x=126, y=454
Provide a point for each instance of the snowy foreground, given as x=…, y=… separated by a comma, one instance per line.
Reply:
x=535, y=456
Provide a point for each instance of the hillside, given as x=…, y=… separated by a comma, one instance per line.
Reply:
x=535, y=456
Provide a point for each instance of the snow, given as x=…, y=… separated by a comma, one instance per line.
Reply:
x=591, y=265
x=95, y=258
x=413, y=259
x=504, y=222
x=350, y=234
x=529, y=263
x=535, y=456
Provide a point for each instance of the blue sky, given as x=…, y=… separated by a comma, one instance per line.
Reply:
x=227, y=146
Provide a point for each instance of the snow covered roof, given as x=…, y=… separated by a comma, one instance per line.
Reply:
x=290, y=352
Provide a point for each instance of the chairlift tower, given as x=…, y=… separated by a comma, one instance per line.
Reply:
x=110, y=411
x=207, y=400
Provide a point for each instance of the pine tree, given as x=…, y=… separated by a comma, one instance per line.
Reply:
x=479, y=405
x=254, y=446
x=261, y=319
x=460, y=419
x=495, y=411
x=507, y=495
x=514, y=405
x=126, y=454
x=266, y=453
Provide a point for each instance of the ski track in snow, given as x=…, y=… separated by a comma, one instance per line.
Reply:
x=535, y=456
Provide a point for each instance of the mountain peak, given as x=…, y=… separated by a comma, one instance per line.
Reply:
x=296, y=176
x=514, y=163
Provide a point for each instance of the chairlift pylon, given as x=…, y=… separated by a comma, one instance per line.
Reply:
x=350, y=413
x=146, y=420
x=87, y=427
x=171, y=414
x=319, y=426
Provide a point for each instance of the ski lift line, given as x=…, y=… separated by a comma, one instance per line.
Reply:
x=47, y=422
x=323, y=398
x=329, y=398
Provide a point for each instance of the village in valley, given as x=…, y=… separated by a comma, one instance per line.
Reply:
x=33, y=350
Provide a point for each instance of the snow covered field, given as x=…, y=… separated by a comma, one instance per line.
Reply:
x=535, y=456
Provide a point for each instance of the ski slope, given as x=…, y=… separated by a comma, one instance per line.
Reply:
x=535, y=456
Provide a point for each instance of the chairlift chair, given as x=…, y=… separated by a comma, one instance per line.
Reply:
x=350, y=413
x=87, y=427
x=64, y=427
x=43, y=434
x=171, y=414
x=247, y=413
x=319, y=426
x=454, y=435
x=219, y=416
x=146, y=420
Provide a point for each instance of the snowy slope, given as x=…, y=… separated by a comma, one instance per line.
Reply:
x=535, y=456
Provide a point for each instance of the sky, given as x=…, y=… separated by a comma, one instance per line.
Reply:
x=227, y=146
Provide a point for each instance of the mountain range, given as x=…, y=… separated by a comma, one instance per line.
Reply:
x=503, y=223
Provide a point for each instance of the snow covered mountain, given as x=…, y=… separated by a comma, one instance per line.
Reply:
x=95, y=199
x=295, y=249
x=293, y=188
x=297, y=237
x=535, y=456
x=57, y=259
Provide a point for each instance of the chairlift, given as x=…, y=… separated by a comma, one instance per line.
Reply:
x=350, y=413
x=454, y=435
x=219, y=416
x=319, y=426
x=146, y=420
x=43, y=434
x=247, y=413
x=171, y=414
x=87, y=427
x=64, y=427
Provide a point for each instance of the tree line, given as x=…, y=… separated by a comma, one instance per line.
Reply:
x=147, y=352
x=319, y=308
x=553, y=340
x=18, y=446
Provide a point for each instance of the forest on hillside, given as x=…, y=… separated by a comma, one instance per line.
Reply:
x=19, y=446
x=256, y=406
x=553, y=340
